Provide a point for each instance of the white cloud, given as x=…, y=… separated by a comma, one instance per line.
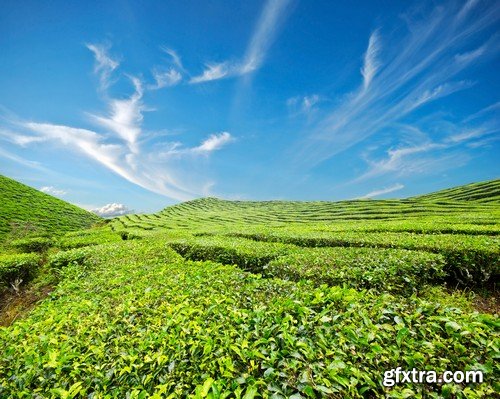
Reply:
x=470, y=55
x=264, y=34
x=125, y=116
x=371, y=63
x=431, y=155
x=214, y=142
x=112, y=210
x=166, y=78
x=151, y=176
x=383, y=191
x=121, y=152
x=417, y=68
x=52, y=190
x=401, y=161
x=437, y=92
x=118, y=141
x=484, y=111
x=213, y=72
x=19, y=139
x=175, y=57
x=262, y=38
x=303, y=105
x=25, y=162
x=468, y=135
x=309, y=102
x=104, y=64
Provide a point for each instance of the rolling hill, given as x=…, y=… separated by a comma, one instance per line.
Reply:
x=21, y=204
x=278, y=299
x=482, y=192
x=471, y=208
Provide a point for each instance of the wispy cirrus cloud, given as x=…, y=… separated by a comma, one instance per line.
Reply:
x=262, y=38
x=264, y=34
x=418, y=68
x=165, y=78
x=117, y=142
x=125, y=116
x=168, y=76
x=104, y=63
x=303, y=105
x=25, y=162
x=371, y=62
x=213, y=143
x=387, y=190
x=425, y=154
x=175, y=57
x=215, y=72
x=153, y=171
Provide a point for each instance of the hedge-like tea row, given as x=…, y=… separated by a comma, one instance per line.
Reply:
x=381, y=269
x=76, y=256
x=143, y=323
x=247, y=254
x=392, y=270
x=470, y=260
x=17, y=266
x=34, y=244
x=414, y=226
x=89, y=237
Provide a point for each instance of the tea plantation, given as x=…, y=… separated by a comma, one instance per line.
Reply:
x=24, y=208
x=241, y=299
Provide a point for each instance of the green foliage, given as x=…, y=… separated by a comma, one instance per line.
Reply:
x=470, y=260
x=62, y=259
x=17, y=266
x=34, y=244
x=391, y=270
x=84, y=238
x=341, y=292
x=141, y=322
x=251, y=256
x=24, y=209
x=483, y=192
x=412, y=215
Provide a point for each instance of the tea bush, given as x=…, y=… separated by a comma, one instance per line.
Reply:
x=392, y=270
x=88, y=237
x=247, y=254
x=470, y=260
x=62, y=259
x=17, y=266
x=34, y=244
x=143, y=323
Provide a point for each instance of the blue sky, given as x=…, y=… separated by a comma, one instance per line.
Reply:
x=139, y=105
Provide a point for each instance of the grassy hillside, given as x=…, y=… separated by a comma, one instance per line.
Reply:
x=373, y=215
x=236, y=299
x=483, y=192
x=21, y=204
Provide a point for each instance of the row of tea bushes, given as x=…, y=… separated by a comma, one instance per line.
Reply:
x=17, y=267
x=389, y=270
x=470, y=260
x=140, y=322
x=247, y=254
x=78, y=239
x=392, y=270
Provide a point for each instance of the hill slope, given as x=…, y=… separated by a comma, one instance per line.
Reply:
x=213, y=299
x=475, y=204
x=482, y=192
x=23, y=204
